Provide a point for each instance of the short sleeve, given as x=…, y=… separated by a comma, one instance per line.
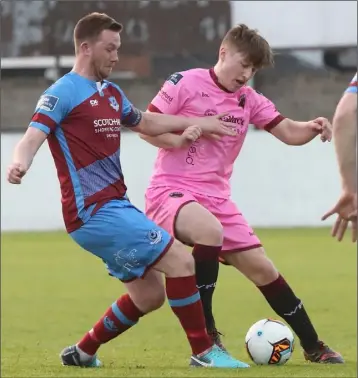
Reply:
x=264, y=114
x=171, y=97
x=52, y=107
x=131, y=116
x=352, y=88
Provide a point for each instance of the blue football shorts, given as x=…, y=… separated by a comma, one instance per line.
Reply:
x=126, y=240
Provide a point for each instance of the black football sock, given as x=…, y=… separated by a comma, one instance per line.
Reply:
x=207, y=270
x=284, y=302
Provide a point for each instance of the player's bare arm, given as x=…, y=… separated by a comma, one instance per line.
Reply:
x=153, y=124
x=295, y=133
x=172, y=141
x=24, y=153
x=345, y=133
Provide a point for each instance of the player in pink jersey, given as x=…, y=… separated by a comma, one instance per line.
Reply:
x=189, y=192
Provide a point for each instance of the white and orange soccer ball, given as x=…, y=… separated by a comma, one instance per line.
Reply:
x=269, y=342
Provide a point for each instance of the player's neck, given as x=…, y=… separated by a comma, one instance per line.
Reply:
x=217, y=72
x=85, y=71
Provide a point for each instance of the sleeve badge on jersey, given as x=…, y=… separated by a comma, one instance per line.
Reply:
x=174, y=78
x=113, y=103
x=47, y=102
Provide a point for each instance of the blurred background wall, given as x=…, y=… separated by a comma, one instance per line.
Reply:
x=316, y=56
x=315, y=42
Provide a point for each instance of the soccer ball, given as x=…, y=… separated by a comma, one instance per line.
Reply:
x=269, y=342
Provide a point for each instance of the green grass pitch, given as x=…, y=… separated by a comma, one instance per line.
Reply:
x=53, y=292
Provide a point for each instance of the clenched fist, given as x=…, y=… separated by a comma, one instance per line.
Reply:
x=15, y=173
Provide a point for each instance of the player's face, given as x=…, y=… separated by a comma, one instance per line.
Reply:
x=236, y=70
x=104, y=53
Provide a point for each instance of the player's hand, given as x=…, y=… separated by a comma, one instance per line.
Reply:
x=216, y=125
x=190, y=135
x=322, y=126
x=15, y=173
x=346, y=209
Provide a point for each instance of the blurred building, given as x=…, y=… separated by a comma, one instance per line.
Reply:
x=160, y=37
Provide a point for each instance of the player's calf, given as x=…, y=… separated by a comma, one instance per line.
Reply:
x=197, y=226
x=184, y=299
x=260, y=270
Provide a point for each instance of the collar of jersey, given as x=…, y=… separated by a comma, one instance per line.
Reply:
x=93, y=83
x=216, y=80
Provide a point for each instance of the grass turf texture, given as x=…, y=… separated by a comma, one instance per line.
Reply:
x=53, y=292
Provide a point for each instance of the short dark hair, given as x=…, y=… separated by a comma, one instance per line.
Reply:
x=92, y=25
x=249, y=42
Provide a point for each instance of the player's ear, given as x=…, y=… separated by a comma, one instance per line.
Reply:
x=222, y=53
x=85, y=48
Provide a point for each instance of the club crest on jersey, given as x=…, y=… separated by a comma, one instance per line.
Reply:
x=113, y=103
x=242, y=101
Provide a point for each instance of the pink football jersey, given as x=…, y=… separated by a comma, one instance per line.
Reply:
x=206, y=166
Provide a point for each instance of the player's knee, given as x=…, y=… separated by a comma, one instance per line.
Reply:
x=211, y=234
x=255, y=265
x=263, y=271
x=183, y=263
x=147, y=298
x=178, y=261
x=153, y=301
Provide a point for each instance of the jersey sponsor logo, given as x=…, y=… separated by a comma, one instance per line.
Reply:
x=192, y=152
x=113, y=103
x=238, y=121
x=174, y=78
x=203, y=94
x=232, y=119
x=94, y=102
x=107, y=122
x=165, y=97
x=47, y=102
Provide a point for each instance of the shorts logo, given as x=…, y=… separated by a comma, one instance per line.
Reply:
x=154, y=236
x=126, y=259
x=176, y=195
x=113, y=103
x=174, y=78
x=47, y=102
